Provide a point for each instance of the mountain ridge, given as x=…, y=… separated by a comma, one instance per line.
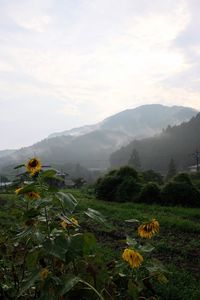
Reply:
x=93, y=148
x=178, y=142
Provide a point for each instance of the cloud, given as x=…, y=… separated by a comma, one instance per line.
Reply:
x=90, y=59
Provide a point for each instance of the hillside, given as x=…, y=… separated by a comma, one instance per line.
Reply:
x=139, y=122
x=178, y=142
x=92, y=145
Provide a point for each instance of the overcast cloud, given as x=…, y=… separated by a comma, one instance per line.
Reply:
x=66, y=63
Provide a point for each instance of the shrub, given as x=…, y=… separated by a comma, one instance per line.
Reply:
x=119, y=185
x=152, y=176
x=105, y=187
x=183, y=177
x=150, y=193
x=180, y=193
x=127, y=190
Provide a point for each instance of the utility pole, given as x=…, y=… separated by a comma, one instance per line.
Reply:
x=196, y=155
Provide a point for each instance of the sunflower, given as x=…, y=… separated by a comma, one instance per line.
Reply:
x=33, y=195
x=147, y=230
x=73, y=223
x=18, y=191
x=132, y=257
x=44, y=273
x=33, y=166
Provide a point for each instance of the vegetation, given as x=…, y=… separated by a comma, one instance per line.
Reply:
x=171, y=170
x=177, y=245
x=119, y=185
x=48, y=250
x=155, y=153
x=126, y=184
x=134, y=160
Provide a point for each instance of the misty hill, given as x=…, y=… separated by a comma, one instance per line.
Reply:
x=177, y=142
x=90, y=150
x=92, y=145
x=6, y=152
x=140, y=122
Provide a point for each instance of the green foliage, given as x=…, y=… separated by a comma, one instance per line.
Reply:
x=128, y=190
x=79, y=182
x=155, y=152
x=171, y=170
x=46, y=254
x=134, y=160
x=119, y=185
x=181, y=191
x=152, y=176
x=183, y=178
x=151, y=193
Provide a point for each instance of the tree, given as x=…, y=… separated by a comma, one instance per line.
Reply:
x=134, y=160
x=79, y=182
x=171, y=170
x=119, y=185
x=152, y=176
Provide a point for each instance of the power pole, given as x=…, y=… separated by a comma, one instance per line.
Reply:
x=196, y=155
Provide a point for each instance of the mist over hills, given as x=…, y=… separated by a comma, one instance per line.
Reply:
x=177, y=142
x=92, y=145
x=140, y=122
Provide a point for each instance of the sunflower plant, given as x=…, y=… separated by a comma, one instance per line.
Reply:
x=46, y=253
x=139, y=269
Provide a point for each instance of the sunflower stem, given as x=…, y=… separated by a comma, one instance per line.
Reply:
x=47, y=222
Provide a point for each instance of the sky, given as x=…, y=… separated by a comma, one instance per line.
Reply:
x=68, y=63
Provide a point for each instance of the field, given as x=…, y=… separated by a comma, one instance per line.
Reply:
x=177, y=245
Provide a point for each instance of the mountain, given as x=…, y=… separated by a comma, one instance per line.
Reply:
x=92, y=145
x=76, y=131
x=177, y=142
x=6, y=152
x=140, y=122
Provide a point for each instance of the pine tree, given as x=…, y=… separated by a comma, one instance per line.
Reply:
x=134, y=160
x=171, y=170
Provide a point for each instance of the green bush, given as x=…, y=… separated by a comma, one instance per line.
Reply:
x=180, y=193
x=105, y=187
x=127, y=190
x=183, y=178
x=152, y=176
x=150, y=193
x=119, y=185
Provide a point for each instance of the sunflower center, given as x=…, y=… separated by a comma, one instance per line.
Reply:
x=33, y=163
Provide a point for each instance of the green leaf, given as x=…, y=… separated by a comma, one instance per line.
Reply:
x=75, y=248
x=42, y=203
x=28, y=188
x=24, y=233
x=131, y=242
x=19, y=166
x=31, y=213
x=29, y=283
x=132, y=221
x=48, y=173
x=92, y=288
x=133, y=289
x=95, y=215
x=156, y=266
x=89, y=243
x=68, y=284
x=147, y=248
x=57, y=247
x=32, y=259
x=67, y=200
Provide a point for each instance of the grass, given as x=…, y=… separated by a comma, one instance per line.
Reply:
x=177, y=245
